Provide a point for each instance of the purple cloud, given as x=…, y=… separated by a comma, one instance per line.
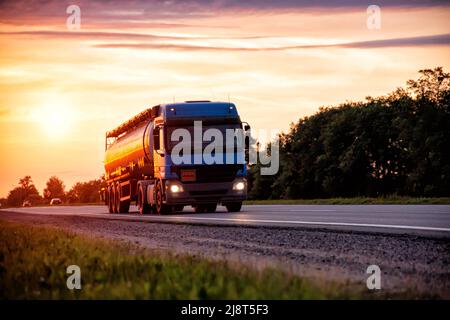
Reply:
x=97, y=12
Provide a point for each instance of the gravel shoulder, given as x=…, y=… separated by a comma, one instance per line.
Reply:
x=408, y=263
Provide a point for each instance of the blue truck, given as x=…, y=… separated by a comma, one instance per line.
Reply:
x=141, y=164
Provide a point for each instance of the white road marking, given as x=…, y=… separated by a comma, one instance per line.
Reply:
x=319, y=223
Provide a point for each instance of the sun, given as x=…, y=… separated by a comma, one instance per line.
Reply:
x=55, y=117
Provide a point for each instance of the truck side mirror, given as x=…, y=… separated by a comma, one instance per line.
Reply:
x=247, y=149
x=246, y=128
x=247, y=137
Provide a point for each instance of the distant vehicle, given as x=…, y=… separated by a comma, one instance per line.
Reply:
x=26, y=203
x=139, y=166
x=55, y=201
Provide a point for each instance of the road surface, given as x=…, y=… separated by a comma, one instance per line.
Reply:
x=410, y=243
x=412, y=219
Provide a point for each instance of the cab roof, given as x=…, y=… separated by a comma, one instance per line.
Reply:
x=189, y=109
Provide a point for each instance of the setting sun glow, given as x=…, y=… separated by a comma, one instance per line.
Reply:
x=55, y=118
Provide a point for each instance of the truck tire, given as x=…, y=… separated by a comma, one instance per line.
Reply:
x=106, y=196
x=113, y=199
x=124, y=206
x=110, y=200
x=143, y=206
x=211, y=208
x=160, y=207
x=178, y=208
x=234, y=206
x=200, y=208
x=116, y=198
x=203, y=208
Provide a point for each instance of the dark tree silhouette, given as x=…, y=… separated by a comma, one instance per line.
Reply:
x=55, y=188
x=25, y=191
x=394, y=144
x=86, y=192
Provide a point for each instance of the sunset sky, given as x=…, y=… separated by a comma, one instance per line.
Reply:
x=278, y=61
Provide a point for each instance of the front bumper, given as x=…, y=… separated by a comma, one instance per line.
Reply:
x=194, y=193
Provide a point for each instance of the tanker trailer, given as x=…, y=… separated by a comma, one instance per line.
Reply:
x=141, y=164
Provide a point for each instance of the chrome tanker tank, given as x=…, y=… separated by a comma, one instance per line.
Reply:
x=128, y=153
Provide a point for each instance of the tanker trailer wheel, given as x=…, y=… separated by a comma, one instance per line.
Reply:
x=110, y=198
x=144, y=207
x=160, y=207
x=116, y=198
x=124, y=206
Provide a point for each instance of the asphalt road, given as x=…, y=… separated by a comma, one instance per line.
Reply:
x=411, y=219
x=410, y=243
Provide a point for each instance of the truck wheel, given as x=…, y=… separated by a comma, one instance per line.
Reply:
x=106, y=196
x=211, y=208
x=110, y=200
x=124, y=206
x=178, y=208
x=116, y=199
x=144, y=207
x=234, y=206
x=113, y=199
x=200, y=208
x=160, y=207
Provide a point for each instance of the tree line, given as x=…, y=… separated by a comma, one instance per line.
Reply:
x=397, y=144
x=81, y=192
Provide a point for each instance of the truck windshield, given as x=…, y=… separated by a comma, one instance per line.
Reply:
x=231, y=129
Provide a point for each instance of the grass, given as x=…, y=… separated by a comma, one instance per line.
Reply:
x=33, y=262
x=356, y=200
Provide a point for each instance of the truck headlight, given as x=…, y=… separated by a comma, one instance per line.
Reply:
x=239, y=185
x=175, y=188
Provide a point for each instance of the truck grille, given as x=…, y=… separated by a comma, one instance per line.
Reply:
x=208, y=192
x=211, y=173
